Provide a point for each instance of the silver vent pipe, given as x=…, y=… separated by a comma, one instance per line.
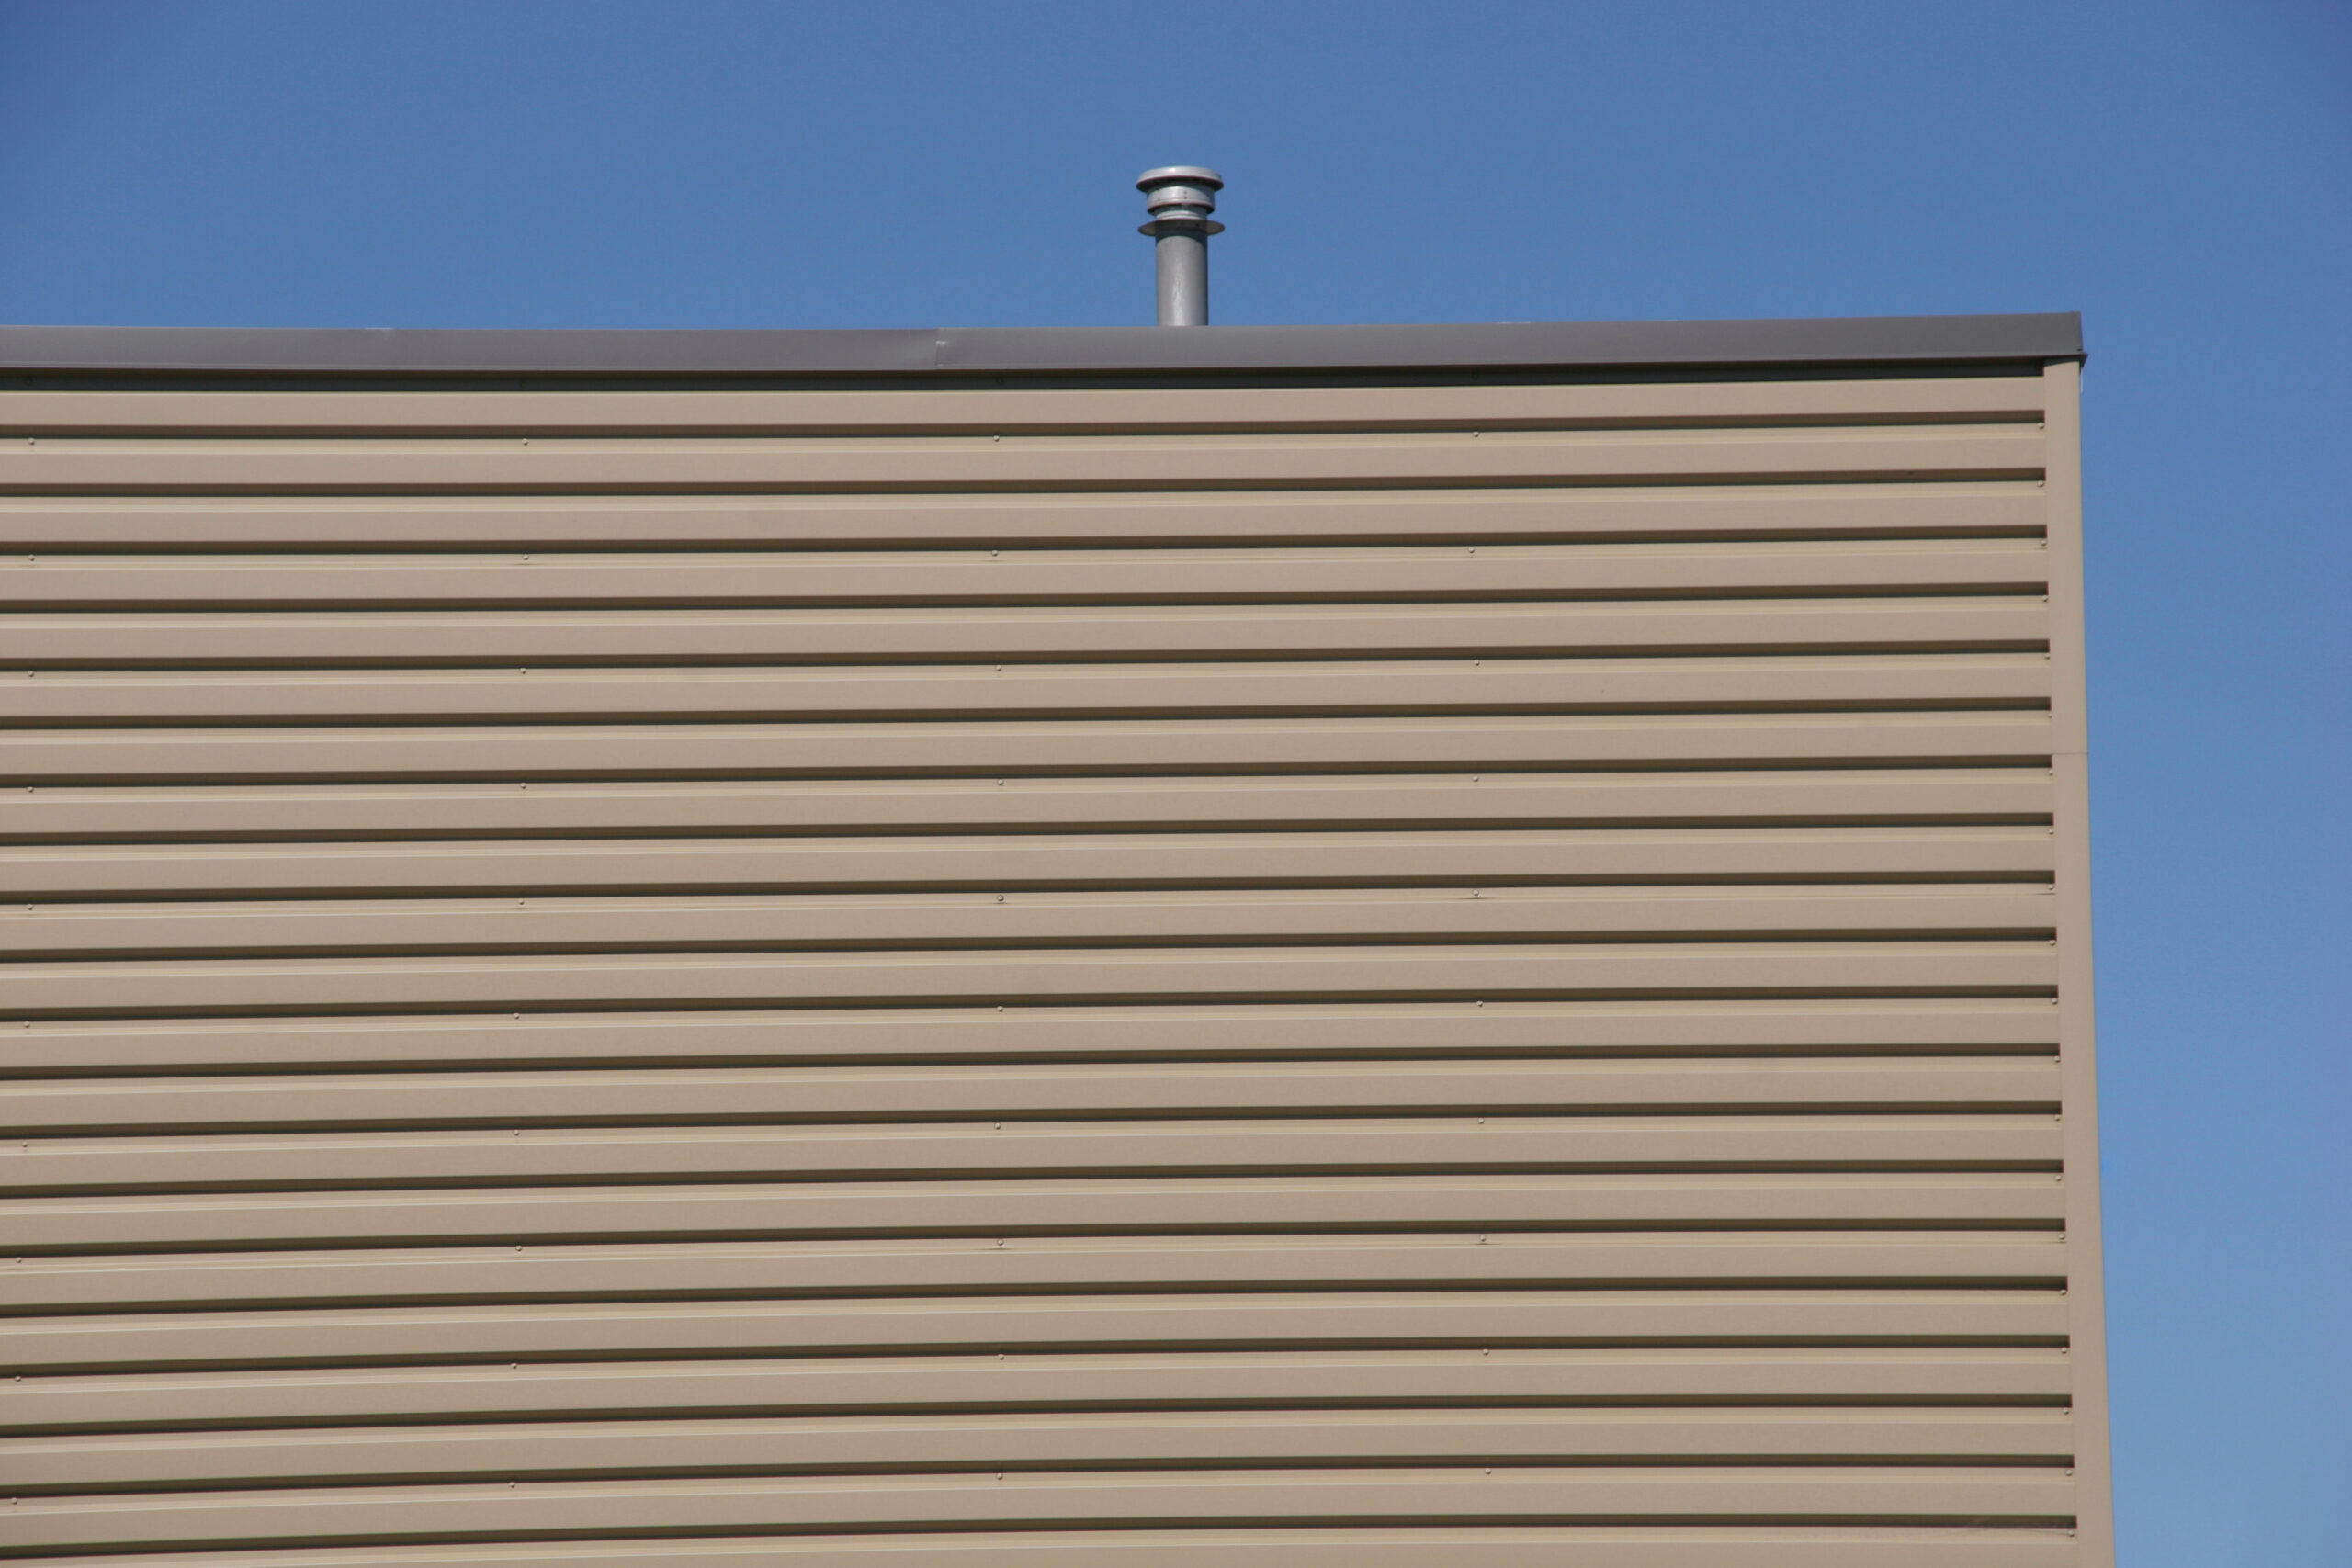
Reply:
x=1180, y=201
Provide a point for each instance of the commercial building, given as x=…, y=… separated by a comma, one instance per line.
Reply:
x=1315, y=946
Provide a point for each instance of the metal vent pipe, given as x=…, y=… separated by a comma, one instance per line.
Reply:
x=1180, y=201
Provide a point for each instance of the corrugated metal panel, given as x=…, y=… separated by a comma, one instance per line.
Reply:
x=1365, y=975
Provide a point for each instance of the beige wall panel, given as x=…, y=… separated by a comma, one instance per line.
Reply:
x=1021, y=946
x=1172, y=1090
x=818, y=1446
x=697, y=1210
x=1819, y=796
x=773, y=580
x=1486, y=1546
x=1143, y=411
x=1797, y=683
x=980, y=463
x=113, y=931
x=1926, y=968
x=2036, y=1496
x=1845, y=1382
x=2070, y=713
x=2005, y=853
x=1079, y=1267
x=1857, y=508
x=1006, y=749
x=1398, y=1318
x=538, y=639
x=1850, y=1140
x=1813, y=1027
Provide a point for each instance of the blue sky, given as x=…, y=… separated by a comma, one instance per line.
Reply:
x=2180, y=173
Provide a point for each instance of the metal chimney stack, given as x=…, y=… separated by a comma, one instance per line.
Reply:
x=1180, y=201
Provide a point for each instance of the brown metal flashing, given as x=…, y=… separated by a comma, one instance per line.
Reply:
x=1838, y=341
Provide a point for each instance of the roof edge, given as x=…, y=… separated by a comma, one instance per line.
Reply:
x=1855, y=340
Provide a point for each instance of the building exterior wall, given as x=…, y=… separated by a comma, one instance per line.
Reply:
x=1379, y=973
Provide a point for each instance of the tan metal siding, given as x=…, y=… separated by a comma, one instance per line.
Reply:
x=1360, y=974
x=2071, y=815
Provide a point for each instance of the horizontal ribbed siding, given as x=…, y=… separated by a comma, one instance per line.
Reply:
x=1326, y=976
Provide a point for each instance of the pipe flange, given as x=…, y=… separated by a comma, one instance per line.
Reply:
x=1179, y=223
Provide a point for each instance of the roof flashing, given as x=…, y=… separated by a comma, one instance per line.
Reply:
x=965, y=351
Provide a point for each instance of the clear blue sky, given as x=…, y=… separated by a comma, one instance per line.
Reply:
x=2180, y=173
